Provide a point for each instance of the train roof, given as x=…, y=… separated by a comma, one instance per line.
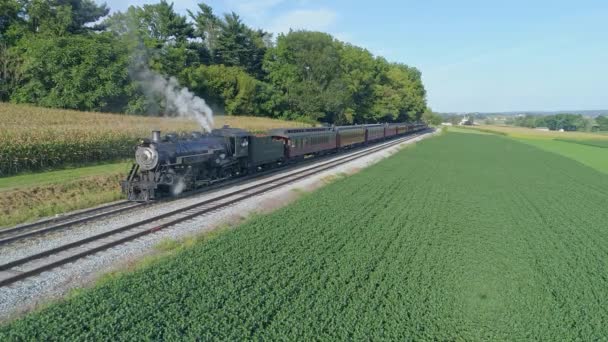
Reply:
x=287, y=132
x=229, y=132
x=343, y=128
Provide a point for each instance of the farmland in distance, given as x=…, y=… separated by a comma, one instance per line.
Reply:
x=590, y=149
x=463, y=236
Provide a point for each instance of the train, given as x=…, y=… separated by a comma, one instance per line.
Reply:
x=172, y=164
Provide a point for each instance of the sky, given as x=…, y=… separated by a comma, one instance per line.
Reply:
x=475, y=56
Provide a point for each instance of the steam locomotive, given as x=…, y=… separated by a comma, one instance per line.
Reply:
x=171, y=164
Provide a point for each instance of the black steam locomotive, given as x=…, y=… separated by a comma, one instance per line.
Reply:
x=172, y=164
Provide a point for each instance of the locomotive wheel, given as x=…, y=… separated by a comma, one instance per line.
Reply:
x=223, y=173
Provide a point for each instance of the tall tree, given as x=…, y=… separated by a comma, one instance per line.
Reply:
x=358, y=72
x=162, y=23
x=305, y=69
x=207, y=28
x=399, y=93
x=159, y=37
x=84, y=12
x=238, y=45
x=63, y=16
x=10, y=13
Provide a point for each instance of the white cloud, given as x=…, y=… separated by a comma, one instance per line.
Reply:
x=256, y=8
x=343, y=36
x=315, y=20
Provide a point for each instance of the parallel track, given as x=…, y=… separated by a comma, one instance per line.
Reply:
x=32, y=265
x=46, y=226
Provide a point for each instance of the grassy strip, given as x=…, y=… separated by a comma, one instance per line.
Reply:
x=468, y=129
x=522, y=132
x=29, y=197
x=471, y=129
x=31, y=203
x=62, y=176
x=466, y=237
x=594, y=143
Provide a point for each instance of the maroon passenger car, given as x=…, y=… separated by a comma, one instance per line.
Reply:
x=374, y=132
x=350, y=135
x=303, y=141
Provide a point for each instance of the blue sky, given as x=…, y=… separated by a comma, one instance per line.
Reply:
x=474, y=55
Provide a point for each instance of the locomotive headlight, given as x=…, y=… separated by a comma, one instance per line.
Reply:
x=146, y=157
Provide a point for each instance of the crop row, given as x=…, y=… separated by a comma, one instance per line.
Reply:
x=594, y=143
x=462, y=237
x=17, y=155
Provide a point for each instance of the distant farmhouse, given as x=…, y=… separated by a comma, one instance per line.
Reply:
x=467, y=121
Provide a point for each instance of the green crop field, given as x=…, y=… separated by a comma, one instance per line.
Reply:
x=579, y=146
x=461, y=237
x=594, y=143
x=592, y=156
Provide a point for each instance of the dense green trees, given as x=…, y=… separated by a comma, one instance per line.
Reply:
x=324, y=79
x=528, y=121
x=230, y=90
x=73, y=72
x=431, y=118
x=602, y=122
x=567, y=122
x=71, y=54
x=304, y=68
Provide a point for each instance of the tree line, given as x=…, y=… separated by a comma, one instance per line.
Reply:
x=73, y=54
x=566, y=122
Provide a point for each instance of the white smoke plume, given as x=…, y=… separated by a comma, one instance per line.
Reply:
x=176, y=99
x=179, y=187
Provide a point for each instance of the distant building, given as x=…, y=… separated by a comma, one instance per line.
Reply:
x=446, y=124
x=467, y=121
x=542, y=129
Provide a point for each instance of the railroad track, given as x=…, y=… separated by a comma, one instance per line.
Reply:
x=34, y=264
x=50, y=225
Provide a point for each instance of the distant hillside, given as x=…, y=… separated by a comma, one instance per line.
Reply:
x=592, y=113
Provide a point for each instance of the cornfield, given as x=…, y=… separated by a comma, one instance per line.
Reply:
x=35, y=139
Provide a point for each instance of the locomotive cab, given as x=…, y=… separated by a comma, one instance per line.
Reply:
x=237, y=139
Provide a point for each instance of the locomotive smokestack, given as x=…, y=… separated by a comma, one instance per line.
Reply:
x=156, y=136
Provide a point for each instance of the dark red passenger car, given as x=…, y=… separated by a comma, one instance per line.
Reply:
x=302, y=141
